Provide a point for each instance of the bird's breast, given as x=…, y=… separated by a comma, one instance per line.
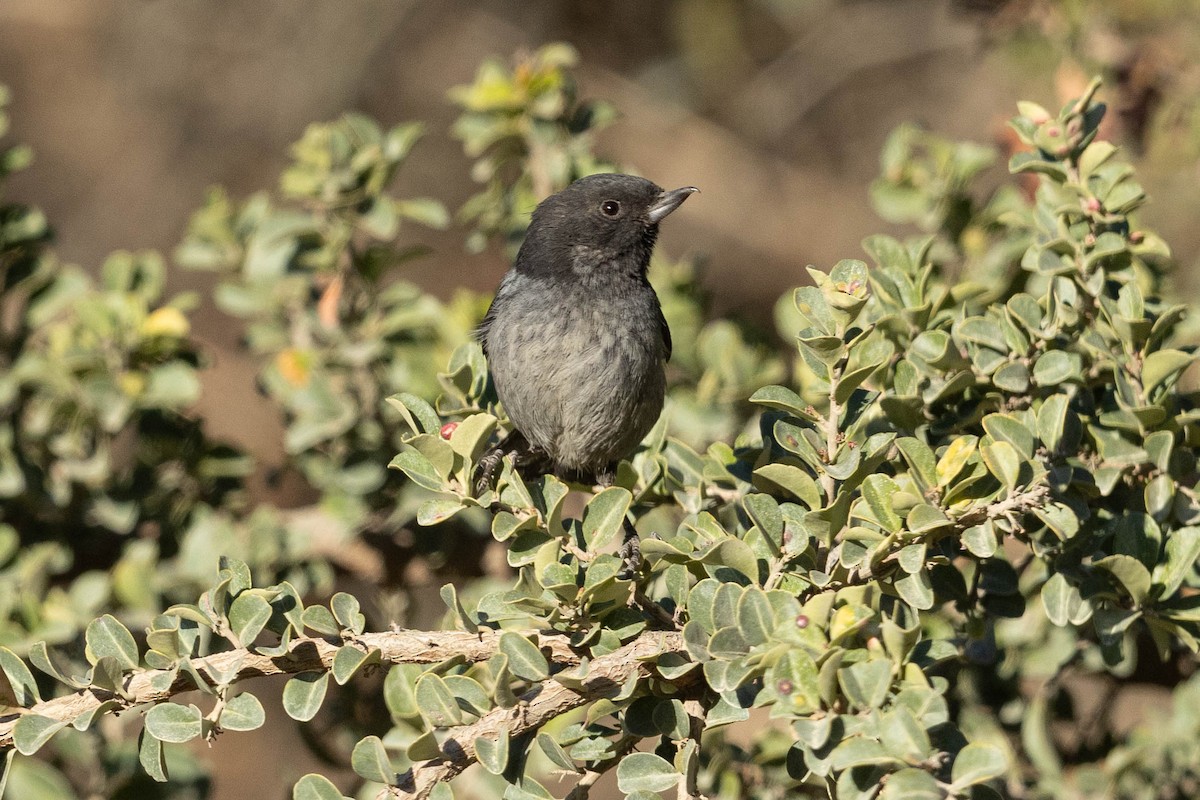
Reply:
x=580, y=376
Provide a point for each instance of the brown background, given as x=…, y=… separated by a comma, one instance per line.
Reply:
x=776, y=110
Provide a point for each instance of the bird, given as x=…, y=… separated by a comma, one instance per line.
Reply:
x=575, y=338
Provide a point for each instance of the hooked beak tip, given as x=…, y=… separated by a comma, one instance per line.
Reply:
x=668, y=202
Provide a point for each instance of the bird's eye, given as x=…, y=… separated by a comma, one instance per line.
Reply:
x=610, y=208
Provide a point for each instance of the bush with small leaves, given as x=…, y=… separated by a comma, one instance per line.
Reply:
x=889, y=549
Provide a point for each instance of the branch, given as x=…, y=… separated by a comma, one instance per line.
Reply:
x=307, y=654
x=1014, y=505
x=606, y=677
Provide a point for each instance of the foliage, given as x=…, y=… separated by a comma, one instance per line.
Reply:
x=976, y=483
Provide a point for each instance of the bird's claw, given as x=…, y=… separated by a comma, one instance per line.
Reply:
x=607, y=476
x=485, y=471
x=630, y=553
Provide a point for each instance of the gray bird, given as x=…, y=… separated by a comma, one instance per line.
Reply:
x=575, y=338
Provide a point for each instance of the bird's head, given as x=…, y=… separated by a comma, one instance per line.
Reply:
x=596, y=221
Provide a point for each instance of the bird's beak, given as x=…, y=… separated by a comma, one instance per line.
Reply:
x=668, y=202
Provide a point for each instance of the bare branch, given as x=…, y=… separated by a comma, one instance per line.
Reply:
x=606, y=675
x=307, y=654
x=1010, y=507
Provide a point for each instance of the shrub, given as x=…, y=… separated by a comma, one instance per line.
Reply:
x=891, y=545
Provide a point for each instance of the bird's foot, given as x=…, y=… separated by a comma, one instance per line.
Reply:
x=630, y=553
x=606, y=477
x=525, y=457
x=486, y=471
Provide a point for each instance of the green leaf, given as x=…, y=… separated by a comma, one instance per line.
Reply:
x=419, y=415
x=1052, y=420
x=783, y=399
x=424, y=210
x=903, y=735
x=424, y=747
x=316, y=787
x=790, y=479
x=31, y=731
x=1130, y=573
x=438, y=510
x=171, y=722
x=150, y=755
x=83, y=721
x=469, y=693
x=604, y=517
x=449, y=596
x=764, y=511
x=20, y=679
x=347, y=612
x=493, y=753
x=878, y=490
x=732, y=560
x=956, y=456
x=1182, y=553
x=304, y=694
x=646, y=772
x=1007, y=428
x=859, y=752
x=1013, y=377
x=911, y=784
x=794, y=680
x=1163, y=366
x=1004, y=462
x=248, y=615
x=920, y=459
x=866, y=684
x=982, y=331
x=471, y=435
x=39, y=656
x=349, y=659
x=1060, y=599
x=810, y=302
x=923, y=518
x=916, y=589
x=977, y=763
x=419, y=470
x=437, y=702
x=320, y=619
x=756, y=620
x=108, y=637
x=980, y=540
x=554, y=751
x=370, y=760
x=1057, y=366
x=525, y=660
x=243, y=713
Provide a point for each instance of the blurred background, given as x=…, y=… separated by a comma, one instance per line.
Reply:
x=777, y=109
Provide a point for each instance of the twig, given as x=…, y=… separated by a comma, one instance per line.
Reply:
x=307, y=654
x=606, y=677
x=831, y=428
x=1011, y=506
x=583, y=787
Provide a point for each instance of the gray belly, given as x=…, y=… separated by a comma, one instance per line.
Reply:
x=573, y=387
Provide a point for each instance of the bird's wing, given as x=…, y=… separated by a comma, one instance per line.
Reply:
x=665, y=330
x=481, y=332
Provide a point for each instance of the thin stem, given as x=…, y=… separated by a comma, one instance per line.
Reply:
x=831, y=430
x=623, y=747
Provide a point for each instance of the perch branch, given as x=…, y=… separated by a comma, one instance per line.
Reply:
x=307, y=654
x=606, y=676
x=1012, y=506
